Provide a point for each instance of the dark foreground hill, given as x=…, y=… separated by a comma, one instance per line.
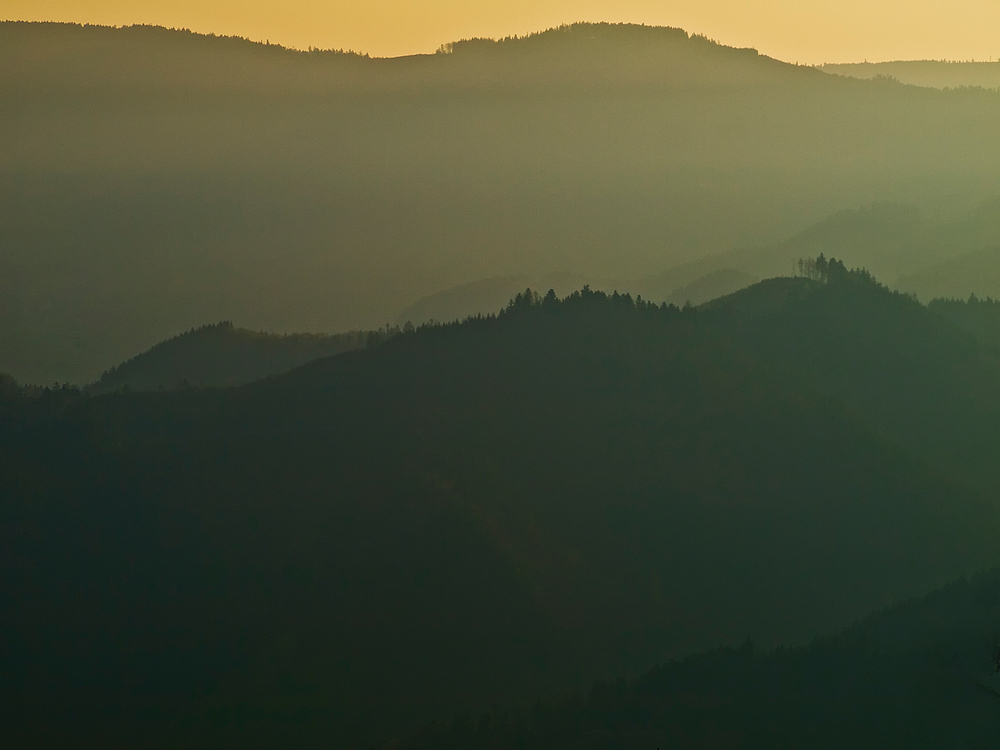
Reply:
x=919, y=675
x=154, y=179
x=484, y=513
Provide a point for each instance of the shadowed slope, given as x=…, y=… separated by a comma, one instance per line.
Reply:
x=478, y=514
x=920, y=675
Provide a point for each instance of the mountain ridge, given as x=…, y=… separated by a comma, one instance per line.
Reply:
x=147, y=188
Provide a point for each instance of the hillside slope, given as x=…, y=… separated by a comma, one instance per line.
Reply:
x=919, y=675
x=222, y=355
x=483, y=513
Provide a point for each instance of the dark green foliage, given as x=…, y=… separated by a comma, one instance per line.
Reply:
x=483, y=513
x=920, y=675
x=836, y=338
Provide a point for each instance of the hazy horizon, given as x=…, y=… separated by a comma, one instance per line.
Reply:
x=822, y=32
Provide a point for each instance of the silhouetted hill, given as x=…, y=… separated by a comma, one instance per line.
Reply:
x=883, y=237
x=151, y=180
x=484, y=513
x=222, y=355
x=492, y=295
x=895, y=242
x=919, y=675
x=936, y=73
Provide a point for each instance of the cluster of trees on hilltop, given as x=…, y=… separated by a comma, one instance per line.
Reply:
x=578, y=35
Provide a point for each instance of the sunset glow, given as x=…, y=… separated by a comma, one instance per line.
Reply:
x=812, y=32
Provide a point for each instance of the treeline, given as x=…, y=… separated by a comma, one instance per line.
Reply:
x=154, y=35
x=573, y=34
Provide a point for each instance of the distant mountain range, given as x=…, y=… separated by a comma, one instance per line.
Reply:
x=222, y=355
x=923, y=255
x=152, y=180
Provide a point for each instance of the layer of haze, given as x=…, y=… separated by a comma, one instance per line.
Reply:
x=814, y=32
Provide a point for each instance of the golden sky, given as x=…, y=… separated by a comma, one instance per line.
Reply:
x=807, y=31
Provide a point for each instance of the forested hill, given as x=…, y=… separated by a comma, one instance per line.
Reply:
x=223, y=355
x=152, y=180
x=485, y=513
x=919, y=675
x=41, y=54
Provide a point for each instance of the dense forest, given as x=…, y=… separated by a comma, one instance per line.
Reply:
x=919, y=675
x=152, y=180
x=483, y=514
